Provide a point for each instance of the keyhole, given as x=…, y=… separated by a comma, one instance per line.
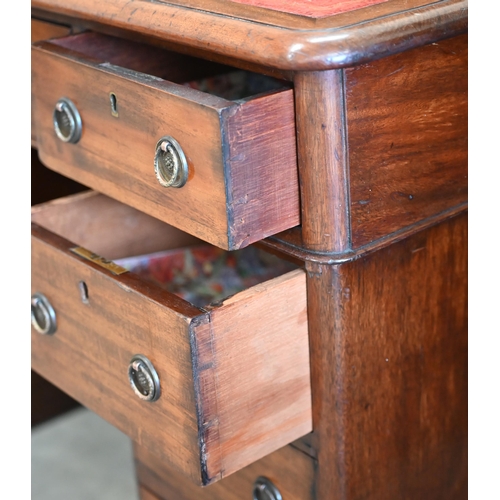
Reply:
x=113, y=102
x=84, y=291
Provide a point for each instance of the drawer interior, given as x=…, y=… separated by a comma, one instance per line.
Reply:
x=206, y=76
x=159, y=253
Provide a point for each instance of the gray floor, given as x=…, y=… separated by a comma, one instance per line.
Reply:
x=79, y=456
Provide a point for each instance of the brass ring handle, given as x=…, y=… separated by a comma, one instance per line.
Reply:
x=143, y=378
x=67, y=121
x=171, y=167
x=43, y=316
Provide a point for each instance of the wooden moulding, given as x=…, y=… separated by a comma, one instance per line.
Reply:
x=321, y=152
x=368, y=35
x=242, y=184
x=234, y=378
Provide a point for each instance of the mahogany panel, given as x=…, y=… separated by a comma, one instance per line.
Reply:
x=388, y=336
x=407, y=134
x=290, y=470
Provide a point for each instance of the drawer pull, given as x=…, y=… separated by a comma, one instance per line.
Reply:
x=43, y=316
x=67, y=121
x=263, y=489
x=143, y=378
x=171, y=167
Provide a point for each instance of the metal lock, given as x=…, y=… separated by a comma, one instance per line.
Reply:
x=67, y=121
x=171, y=167
x=143, y=378
x=43, y=316
x=264, y=489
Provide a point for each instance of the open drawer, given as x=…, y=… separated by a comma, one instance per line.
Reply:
x=206, y=148
x=217, y=387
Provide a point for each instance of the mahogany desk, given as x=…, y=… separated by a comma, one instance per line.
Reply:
x=356, y=168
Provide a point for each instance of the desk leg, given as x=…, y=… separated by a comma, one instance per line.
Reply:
x=388, y=337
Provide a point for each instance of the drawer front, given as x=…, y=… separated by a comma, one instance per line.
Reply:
x=289, y=470
x=240, y=155
x=234, y=379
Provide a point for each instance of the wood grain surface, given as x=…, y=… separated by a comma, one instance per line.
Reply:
x=255, y=350
x=242, y=183
x=290, y=470
x=262, y=184
x=235, y=378
x=388, y=340
x=407, y=127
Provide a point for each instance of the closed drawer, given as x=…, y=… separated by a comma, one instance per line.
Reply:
x=237, y=154
x=234, y=379
x=287, y=472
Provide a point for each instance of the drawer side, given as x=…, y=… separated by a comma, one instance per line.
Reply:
x=254, y=356
x=263, y=184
